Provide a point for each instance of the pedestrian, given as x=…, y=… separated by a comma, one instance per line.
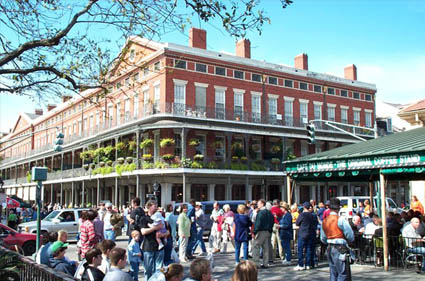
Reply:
x=200, y=225
x=152, y=257
x=174, y=272
x=91, y=272
x=192, y=238
x=134, y=254
x=367, y=208
x=200, y=270
x=88, y=237
x=113, y=223
x=216, y=233
x=58, y=261
x=106, y=247
x=286, y=233
x=12, y=219
x=118, y=262
x=227, y=228
x=184, y=224
x=102, y=210
x=417, y=205
x=44, y=252
x=245, y=271
x=242, y=233
x=335, y=232
x=263, y=227
x=98, y=227
x=276, y=243
x=171, y=218
x=307, y=224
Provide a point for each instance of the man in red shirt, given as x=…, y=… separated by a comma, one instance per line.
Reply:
x=277, y=214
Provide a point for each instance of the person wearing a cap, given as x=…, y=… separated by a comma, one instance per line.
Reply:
x=200, y=224
x=307, y=224
x=335, y=232
x=58, y=261
x=286, y=232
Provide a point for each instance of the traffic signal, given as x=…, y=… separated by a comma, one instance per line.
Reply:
x=58, y=142
x=311, y=134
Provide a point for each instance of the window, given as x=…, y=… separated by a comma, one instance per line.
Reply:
x=344, y=93
x=118, y=113
x=200, y=67
x=344, y=115
x=127, y=82
x=146, y=102
x=220, y=71
x=368, y=119
x=238, y=74
x=132, y=54
x=157, y=66
x=368, y=97
x=256, y=148
x=110, y=115
x=146, y=71
x=180, y=64
x=256, y=77
x=136, y=105
x=272, y=110
x=238, y=101
x=179, y=98
x=289, y=113
x=219, y=103
x=157, y=98
x=201, y=99
x=127, y=109
x=304, y=148
x=289, y=83
x=80, y=128
x=136, y=77
x=256, y=108
x=273, y=80
x=97, y=118
x=303, y=113
x=177, y=145
x=331, y=91
x=219, y=148
x=118, y=86
x=317, y=111
x=331, y=113
x=357, y=117
x=91, y=123
x=356, y=95
x=317, y=88
x=303, y=86
x=201, y=148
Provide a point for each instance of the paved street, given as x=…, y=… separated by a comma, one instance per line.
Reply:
x=225, y=264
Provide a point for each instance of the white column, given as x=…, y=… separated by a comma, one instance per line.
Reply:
x=313, y=192
x=283, y=192
x=165, y=194
x=211, y=190
x=249, y=192
x=187, y=192
x=142, y=194
x=339, y=191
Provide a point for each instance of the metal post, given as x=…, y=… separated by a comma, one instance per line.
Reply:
x=82, y=195
x=384, y=220
x=137, y=186
x=116, y=192
x=371, y=195
x=184, y=188
x=61, y=195
x=38, y=199
x=98, y=193
x=288, y=189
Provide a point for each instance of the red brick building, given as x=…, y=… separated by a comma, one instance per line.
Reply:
x=213, y=126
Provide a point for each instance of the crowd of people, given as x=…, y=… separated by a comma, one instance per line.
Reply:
x=160, y=239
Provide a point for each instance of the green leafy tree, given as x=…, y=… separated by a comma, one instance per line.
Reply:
x=52, y=47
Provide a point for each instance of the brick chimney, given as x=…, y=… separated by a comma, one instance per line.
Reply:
x=243, y=48
x=301, y=61
x=66, y=98
x=198, y=38
x=51, y=106
x=38, y=111
x=350, y=72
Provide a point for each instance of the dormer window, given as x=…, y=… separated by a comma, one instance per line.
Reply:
x=132, y=54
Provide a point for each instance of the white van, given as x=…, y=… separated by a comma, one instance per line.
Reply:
x=349, y=205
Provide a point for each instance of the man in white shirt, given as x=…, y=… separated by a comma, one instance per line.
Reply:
x=371, y=227
x=215, y=237
x=414, y=242
x=108, y=230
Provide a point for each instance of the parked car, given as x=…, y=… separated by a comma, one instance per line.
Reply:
x=207, y=206
x=11, y=238
x=350, y=204
x=66, y=219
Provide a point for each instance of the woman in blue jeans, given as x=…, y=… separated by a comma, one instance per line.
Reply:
x=242, y=225
x=286, y=232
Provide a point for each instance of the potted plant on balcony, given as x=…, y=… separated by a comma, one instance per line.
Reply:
x=109, y=163
x=275, y=149
x=194, y=142
x=132, y=145
x=121, y=160
x=148, y=142
x=198, y=157
x=244, y=159
x=129, y=160
x=86, y=167
x=168, y=157
x=166, y=142
x=147, y=157
x=256, y=147
x=101, y=164
x=28, y=175
x=92, y=166
x=235, y=158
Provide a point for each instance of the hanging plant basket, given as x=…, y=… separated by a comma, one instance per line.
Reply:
x=121, y=160
x=256, y=147
x=86, y=167
x=147, y=157
x=146, y=143
x=109, y=163
x=235, y=158
x=194, y=142
x=132, y=145
x=198, y=157
x=129, y=160
x=102, y=164
x=92, y=166
x=275, y=149
x=166, y=142
x=237, y=146
x=168, y=157
x=244, y=159
x=275, y=161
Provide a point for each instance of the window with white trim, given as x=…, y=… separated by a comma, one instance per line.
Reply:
x=344, y=93
x=97, y=118
x=303, y=86
x=289, y=113
x=272, y=110
x=220, y=151
x=177, y=145
x=344, y=115
x=127, y=109
x=91, y=122
x=238, y=102
x=357, y=117
x=146, y=102
x=136, y=105
x=219, y=103
x=331, y=113
x=118, y=113
x=303, y=113
x=201, y=148
x=256, y=108
x=110, y=115
x=179, y=98
x=368, y=119
x=157, y=98
x=318, y=111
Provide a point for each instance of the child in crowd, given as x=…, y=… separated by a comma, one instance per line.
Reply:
x=134, y=254
x=159, y=219
x=106, y=247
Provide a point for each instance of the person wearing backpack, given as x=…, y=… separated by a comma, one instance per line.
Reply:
x=91, y=272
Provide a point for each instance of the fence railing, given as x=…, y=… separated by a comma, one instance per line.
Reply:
x=31, y=271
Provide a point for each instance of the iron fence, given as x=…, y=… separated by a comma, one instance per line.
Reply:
x=31, y=271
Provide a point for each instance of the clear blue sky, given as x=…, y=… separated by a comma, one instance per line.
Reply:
x=384, y=39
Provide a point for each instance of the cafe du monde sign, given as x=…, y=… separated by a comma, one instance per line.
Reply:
x=358, y=163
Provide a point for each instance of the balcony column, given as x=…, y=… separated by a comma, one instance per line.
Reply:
x=61, y=200
x=228, y=189
x=137, y=186
x=246, y=145
x=185, y=198
x=51, y=193
x=283, y=193
x=97, y=191
x=137, y=156
x=62, y=155
x=142, y=193
x=248, y=189
x=166, y=190
x=72, y=161
x=313, y=194
x=72, y=193
x=82, y=194
x=116, y=151
x=211, y=191
x=284, y=148
x=229, y=147
x=116, y=190
x=121, y=196
x=183, y=137
x=186, y=192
